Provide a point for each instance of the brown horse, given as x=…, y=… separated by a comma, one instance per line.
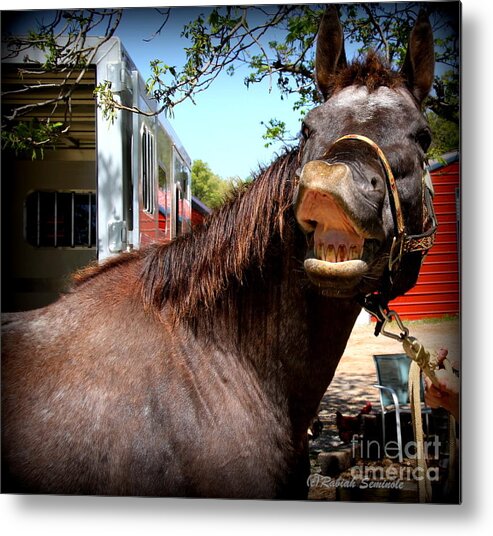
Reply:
x=195, y=368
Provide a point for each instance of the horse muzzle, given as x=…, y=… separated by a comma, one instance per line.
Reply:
x=329, y=209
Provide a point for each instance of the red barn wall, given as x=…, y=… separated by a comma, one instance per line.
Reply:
x=437, y=291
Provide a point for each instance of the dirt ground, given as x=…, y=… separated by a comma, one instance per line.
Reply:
x=352, y=385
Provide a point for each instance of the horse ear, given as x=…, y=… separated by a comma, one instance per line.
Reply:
x=419, y=65
x=330, y=54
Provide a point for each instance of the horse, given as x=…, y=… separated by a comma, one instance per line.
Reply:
x=194, y=368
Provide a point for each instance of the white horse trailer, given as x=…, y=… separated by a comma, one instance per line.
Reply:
x=107, y=187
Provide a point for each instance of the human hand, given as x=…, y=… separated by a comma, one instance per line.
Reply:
x=445, y=394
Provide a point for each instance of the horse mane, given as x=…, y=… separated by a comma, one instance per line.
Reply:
x=372, y=72
x=95, y=268
x=197, y=267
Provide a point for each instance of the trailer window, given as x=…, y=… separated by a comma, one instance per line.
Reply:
x=182, y=196
x=148, y=172
x=61, y=219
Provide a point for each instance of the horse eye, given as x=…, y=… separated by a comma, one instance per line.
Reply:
x=423, y=137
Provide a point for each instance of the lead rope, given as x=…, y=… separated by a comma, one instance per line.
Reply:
x=421, y=361
x=414, y=387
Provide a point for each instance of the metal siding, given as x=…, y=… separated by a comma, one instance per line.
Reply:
x=437, y=291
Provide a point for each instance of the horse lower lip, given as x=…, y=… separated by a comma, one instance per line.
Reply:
x=347, y=273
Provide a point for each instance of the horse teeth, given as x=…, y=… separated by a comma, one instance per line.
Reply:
x=342, y=253
x=354, y=254
x=337, y=252
x=330, y=254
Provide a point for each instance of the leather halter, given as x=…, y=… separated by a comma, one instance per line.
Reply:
x=402, y=242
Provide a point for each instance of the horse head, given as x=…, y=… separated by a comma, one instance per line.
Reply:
x=361, y=198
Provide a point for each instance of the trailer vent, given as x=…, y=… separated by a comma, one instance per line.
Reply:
x=61, y=219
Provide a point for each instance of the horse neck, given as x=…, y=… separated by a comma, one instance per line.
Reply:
x=298, y=345
x=290, y=336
